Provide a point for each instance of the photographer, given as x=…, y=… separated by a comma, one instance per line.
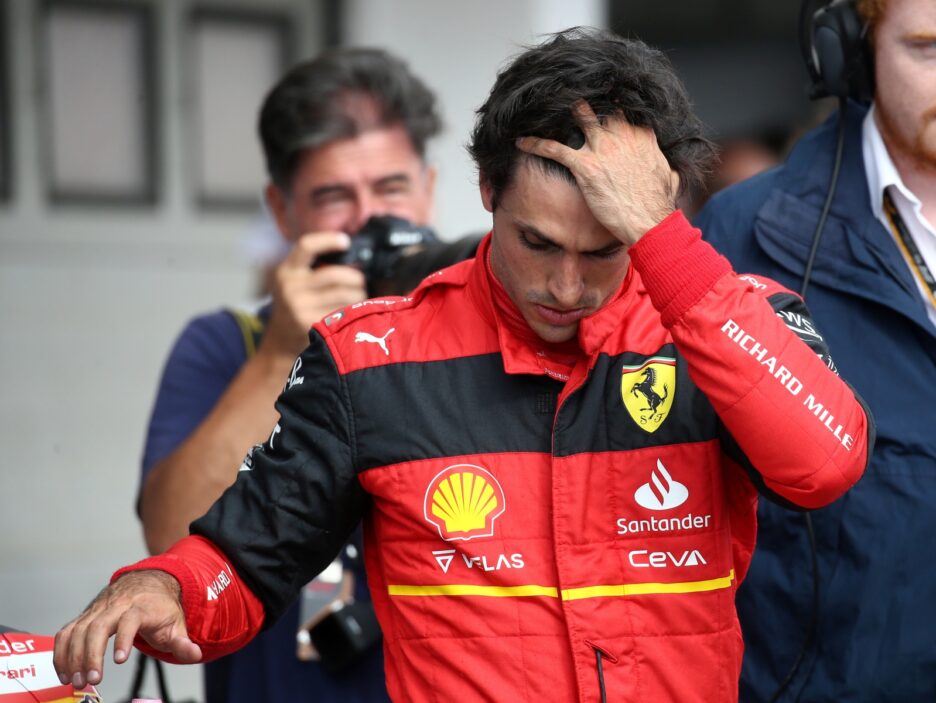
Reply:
x=344, y=138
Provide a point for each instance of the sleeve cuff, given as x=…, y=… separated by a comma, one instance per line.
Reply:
x=192, y=604
x=676, y=266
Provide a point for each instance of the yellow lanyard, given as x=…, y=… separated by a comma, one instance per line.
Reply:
x=910, y=250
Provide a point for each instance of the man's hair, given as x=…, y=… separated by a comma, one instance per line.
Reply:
x=618, y=77
x=339, y=95
x=871, y=12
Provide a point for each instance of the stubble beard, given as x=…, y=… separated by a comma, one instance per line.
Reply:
x=919, y=152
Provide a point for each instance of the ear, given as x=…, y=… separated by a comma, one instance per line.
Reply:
x=278, y=204
x=429, y=176
x=487, y=195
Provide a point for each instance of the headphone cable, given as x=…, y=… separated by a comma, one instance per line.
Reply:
x=833, y=184
x=814, y=615
x=807, y=517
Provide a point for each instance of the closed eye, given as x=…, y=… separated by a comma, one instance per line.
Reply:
x=607, y=253
x=396, y=184
x=330, y=195
x=533, y=241
x=921, y=42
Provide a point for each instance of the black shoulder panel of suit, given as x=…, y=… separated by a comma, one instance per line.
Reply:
x=597, y=417
x=297, y=497
x=422, y=410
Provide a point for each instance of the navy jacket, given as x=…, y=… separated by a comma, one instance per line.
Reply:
x=876, y=630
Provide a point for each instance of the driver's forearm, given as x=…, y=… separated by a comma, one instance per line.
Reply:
x=221, y=613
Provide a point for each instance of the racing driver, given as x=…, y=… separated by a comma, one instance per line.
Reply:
x=556, y=447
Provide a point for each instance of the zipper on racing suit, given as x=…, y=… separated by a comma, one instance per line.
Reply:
x=600, y=652
x=600, y=655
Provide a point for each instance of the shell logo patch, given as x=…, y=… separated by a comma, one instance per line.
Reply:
x=463, y=501
x=647, y=390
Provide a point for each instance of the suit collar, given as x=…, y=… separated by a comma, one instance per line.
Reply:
x=523, y=351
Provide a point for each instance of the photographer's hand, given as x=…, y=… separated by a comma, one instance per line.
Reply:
x=302, y=295
x=182, y=486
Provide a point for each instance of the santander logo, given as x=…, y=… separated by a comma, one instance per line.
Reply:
x=662, y=492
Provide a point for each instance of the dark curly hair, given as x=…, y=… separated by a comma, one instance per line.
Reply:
x=533, y=96
x=338, y=95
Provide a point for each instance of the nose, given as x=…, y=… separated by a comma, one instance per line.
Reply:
x=566, y=283
x=366, y=206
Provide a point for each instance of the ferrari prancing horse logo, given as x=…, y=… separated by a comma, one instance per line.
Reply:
x=647, y=390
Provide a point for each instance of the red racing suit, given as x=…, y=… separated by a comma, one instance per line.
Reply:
x=537, y=527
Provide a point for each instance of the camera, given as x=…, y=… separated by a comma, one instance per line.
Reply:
x=345, y=633
x=395, y=255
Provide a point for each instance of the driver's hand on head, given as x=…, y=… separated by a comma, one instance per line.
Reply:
x=144, y=603
x=303, y=295
x=622, y=173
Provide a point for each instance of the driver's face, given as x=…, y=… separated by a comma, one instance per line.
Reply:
x=555, y=260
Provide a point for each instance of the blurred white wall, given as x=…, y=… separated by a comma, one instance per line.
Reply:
x=92, y=298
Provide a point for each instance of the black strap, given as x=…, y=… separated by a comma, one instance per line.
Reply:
x=251, y=326
x=909, y=248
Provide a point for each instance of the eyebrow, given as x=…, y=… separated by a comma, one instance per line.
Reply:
x=920, y=37
x=530, y=229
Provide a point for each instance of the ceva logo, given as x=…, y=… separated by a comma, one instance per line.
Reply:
x=662, y=492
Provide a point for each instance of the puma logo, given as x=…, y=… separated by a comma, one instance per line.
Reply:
x=380, y=341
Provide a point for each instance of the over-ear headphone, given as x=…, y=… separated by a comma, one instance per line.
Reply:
x=833, y=40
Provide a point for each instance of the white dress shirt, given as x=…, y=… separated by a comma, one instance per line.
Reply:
x=883, y=176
